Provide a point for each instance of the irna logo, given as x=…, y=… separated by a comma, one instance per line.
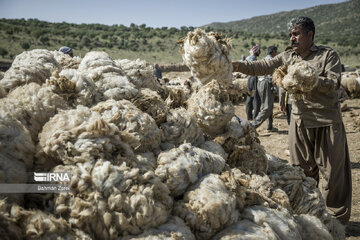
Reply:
x=51, y=177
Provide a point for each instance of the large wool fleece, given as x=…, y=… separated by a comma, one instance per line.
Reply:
x=65, y=61
x=174, y=228
x=108, y=201
x=139, y=72
x=80, y=135
x=180, y=127
x=30, y=66
x=207, y=207
x=178, y=90
x=33, y=105
x=73, y=87
x=244, y=149
x=151, y=103
x=181, y=167
x=138, y=129
x=108, y=77
x=208, y=56
x=34, y=224
x=211, y=107
x=238, y=90
x=351, y=84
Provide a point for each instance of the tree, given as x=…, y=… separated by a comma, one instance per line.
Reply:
x=25, y=45
x=3, y=52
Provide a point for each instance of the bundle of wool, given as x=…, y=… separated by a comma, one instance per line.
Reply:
x=237, y=90
x=30, y=66
x=211, y=107
x=108, y=201
x=66, y=61
x=80, y=135
x=351, y=84
x=139, y=72
x=71, y=86
x=33, y=105
x=174, y=228
x=181, y=167
x=243, y=147
x=146, y=161
x=15, y=141
x=138, y=129
x=178, y=91
x=180, y=127
x=301, y=78
x=208, y=56
x=310, y=226
x=151, y=102
x=207, y=207
x=214, y=147
x=279, y=74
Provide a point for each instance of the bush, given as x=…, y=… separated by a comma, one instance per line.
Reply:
x=3, y=52
x=25, y=45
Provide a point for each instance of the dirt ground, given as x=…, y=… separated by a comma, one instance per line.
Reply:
x=276, y=143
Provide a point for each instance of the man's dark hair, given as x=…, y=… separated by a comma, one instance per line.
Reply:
x=271, y=49
x=306, y=24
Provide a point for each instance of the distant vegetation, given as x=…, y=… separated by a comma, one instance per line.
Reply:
x=337, y=26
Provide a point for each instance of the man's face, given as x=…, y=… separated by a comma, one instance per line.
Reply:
x=300, y=40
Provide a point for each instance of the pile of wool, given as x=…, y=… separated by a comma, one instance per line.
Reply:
x=211, y=107
x=139, y=72
x=208, y=56
x=30, y=66
x=107, y=201
x=80, y=135
x=108, y=77
x=301, y=78
x=351, y=84
x=32, y=105
x=65, y=61
x=177, y=92
x=34, y=224
x=207, y=207
x=151, y=103
x=180, y=127
x=243, y=147
x=73, y=88
x=174, y=228
x=138, y=129
x=214, y=147
x=181, y=167
x=238, y=89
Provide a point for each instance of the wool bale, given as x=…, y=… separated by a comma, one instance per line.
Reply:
x=351, y=84
x=208, y=56
x=238, y=90
x=211, y=107
x=174, y=228
x=178, y=90
x=138, y=129
x=214, y=147
x=30, y=66
x=66, y=61
x=80, y=135
x=207, y=207
x=310, y=226
x=151, y=102
x=180, y=127
x=108, y=201
x=181, y=167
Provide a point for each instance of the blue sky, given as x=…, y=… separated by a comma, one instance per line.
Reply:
x=153, y=13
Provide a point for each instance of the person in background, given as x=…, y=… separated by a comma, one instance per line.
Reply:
x=285, y=104
x=267, y=92
x=67, y=50
x=253, y=102
x=157, y=72
x=317, y=136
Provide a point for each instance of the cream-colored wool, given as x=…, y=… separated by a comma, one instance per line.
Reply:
x=3, y=92
x=179, y=128
x=30, y=66
x=207, y=207
x=72, y=87
x=300, y=79
x=214, y=147
x=178, y=91
x=15, y=141
x=33, y=105
x=96, y=63
x=211, y=107
x=183, y=166
x=138, y=129
x=115, y=201
x=66, y=61
x=151, y=103
x=208, y=56
x=279, y=74
x=351, y=84
x=238, y=90
x=245, y=152
x=146, y=161
x=139, y=72
x=174, y=228
x=81, y=135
